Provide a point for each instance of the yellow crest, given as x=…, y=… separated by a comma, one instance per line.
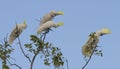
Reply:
x=25, y=23
x=60, y=23
x=60, y=12
x=106, y=31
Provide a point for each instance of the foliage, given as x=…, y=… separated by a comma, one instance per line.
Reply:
x=5, y=51
x=51, y=54
x=38, y=46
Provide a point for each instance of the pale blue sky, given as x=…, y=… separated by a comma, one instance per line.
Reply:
x=81, y=18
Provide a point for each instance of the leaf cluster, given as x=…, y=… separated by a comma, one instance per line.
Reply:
x=52, y=55
x=5, y=51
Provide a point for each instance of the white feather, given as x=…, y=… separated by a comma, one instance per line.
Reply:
x=45, y=26
x=16, y=32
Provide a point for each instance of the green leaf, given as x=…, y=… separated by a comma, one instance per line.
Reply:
x=28, y=45
x=46, y=62
x=4, y=66
x=34, y=38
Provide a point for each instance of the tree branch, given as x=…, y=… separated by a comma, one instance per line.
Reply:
x=19, y=42
x=23, y=50
x=39, y=49
x=33, y=59
x=14, y=64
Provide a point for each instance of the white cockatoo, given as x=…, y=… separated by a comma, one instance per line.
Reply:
x=48, y=25
x=50, y=16
x=17, y=31
x=93, y=41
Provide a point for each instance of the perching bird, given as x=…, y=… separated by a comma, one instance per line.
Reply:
x=50, y=16
x=93, y=41
x=48, y=25
x=17, y=31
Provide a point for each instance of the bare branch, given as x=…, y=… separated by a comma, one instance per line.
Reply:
x=67, y=64
x=19, y=42
x=23, y=50
x=33, y=59
x=14, y=64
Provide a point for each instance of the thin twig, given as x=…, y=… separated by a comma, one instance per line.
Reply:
x=89, y=57
x=44, y=37
x=23, y=50
x=14, y=64
x=33, y=59
x=67, y=64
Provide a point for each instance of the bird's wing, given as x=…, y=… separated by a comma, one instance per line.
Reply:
x=46, y=18
x=86, y=50
x=50, y=16
x=92, y=41
x=45, y=26
x=14, y=34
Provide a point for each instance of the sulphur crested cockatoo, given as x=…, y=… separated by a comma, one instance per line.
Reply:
x=50, y=16
x=48, y=25
x=93, y=41
x=17, y=31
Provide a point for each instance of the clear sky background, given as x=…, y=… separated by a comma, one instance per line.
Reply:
x=81, y=18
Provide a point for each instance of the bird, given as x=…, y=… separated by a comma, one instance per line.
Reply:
x=92, y=41
x=17, y=31
x=49, y=16
x=48, y=25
